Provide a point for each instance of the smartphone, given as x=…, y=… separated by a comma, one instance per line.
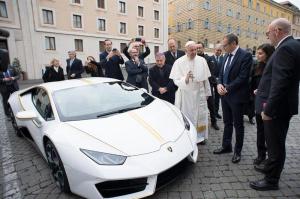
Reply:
x=114, y=50
x=138, y=39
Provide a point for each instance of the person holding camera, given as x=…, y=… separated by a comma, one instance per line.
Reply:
x=74, y=66
x=137, y=70
x=92, y=67
x=110, y=60
x=138, y=44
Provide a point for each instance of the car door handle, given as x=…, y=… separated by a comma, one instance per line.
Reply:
x=37, y=122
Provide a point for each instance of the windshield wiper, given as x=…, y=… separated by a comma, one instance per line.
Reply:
x=119, y=111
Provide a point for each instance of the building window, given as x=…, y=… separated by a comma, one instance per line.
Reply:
x=101, y=24
x=156, y=33
x=238, y=31
x=178, y=27
x=248, y=33
x=76, y=1
x=229, y=13
x=190, y=5
x=140, y=11
x=258, y=7
x=141, y=30
x=250, y=3
x=101, y=4
x=206, y=23
x=249, y=18
x=47, y=16
x=77, y=23
x=78, y=45
x=206, y=5
x=179, y=44
x=3, y=9
x=205, y=43
x=219, y=10
x=50, y=43
x=190, y=24
x=122, y=7
x=101, y=46
x=156, y=50
x=156, y=15
x=238, y=15
x=123, y=28
x=229, y=28
x=219, y=26
x=257, y=21
x=122, y=46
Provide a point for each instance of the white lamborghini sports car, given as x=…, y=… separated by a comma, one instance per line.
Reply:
x=104, y=138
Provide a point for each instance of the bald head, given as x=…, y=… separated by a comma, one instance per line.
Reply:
x=283, y=24
x=172, y=45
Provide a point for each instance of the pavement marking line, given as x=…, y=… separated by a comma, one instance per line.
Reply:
x=10, y=179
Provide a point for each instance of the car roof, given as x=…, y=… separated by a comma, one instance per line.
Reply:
x=59, y=85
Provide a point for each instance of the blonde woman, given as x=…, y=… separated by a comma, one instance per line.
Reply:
x=54, y=73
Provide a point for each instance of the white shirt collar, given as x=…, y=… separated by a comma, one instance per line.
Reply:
x=282, y=41
x=235, y=50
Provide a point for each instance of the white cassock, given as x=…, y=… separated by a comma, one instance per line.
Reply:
x=191, y=98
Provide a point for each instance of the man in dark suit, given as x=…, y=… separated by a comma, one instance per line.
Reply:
x=233, y=88
x=111, y=59
x=213, y=84
x=137, y=70
x=277, y=97
x=217, y=59
x=74, y=66
x=172, y=54
x=162, y=86
x=8, y=85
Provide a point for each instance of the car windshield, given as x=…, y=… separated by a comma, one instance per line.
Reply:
x=98, y=100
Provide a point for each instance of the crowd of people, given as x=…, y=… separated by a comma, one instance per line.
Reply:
x=196, y=83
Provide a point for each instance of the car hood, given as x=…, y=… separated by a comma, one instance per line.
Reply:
x=138, y=131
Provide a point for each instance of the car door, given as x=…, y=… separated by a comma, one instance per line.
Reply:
x=43, y=108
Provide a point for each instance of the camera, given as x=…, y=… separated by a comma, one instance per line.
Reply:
x=114, y=50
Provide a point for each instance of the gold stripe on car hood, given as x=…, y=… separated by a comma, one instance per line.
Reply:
x=147, y=126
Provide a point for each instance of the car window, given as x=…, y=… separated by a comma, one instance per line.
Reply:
x=98, y=100
x=42, y=103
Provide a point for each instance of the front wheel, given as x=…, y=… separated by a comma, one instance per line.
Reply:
x=14, y=123
x=57, y=167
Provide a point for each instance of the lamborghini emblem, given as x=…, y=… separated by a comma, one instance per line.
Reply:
x=170, y=149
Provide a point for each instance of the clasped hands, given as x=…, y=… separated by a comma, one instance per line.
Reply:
x=221, y=89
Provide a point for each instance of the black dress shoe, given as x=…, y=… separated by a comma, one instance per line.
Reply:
x=263, y=185
x=260, y=168
x=259, y=160
x=251, y=121
x=218, y=116
x=223, y=150
x=215, y=126
x=236, y=158
x=203, y=142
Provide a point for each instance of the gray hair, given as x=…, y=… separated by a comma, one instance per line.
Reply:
x=283, y=24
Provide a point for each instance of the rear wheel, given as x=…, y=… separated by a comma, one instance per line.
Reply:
x=56, y=166
x=14, y=123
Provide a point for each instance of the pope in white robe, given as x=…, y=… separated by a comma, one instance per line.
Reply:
x=190, y=73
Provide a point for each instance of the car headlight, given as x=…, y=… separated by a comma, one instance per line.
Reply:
x=186, y=122
x=104, y=158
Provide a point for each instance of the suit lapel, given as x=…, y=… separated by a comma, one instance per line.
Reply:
x=237, y=54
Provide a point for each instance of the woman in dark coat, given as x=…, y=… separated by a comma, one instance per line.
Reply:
x=54, y=72
x=264, y=52
x=92, y=67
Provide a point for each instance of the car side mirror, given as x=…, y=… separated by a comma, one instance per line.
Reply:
x=26, y=115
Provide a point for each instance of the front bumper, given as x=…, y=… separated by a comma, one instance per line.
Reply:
x=138, y=177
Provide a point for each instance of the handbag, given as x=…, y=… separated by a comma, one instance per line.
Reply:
x=139, y=78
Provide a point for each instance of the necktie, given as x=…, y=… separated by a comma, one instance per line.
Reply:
x=174, y=55
x=226, y=71
x=217, y=59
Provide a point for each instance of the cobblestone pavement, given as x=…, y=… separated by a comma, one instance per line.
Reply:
x=24, y=174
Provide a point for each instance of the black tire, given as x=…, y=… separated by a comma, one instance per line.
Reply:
x=57, y=167
x=14, y=123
